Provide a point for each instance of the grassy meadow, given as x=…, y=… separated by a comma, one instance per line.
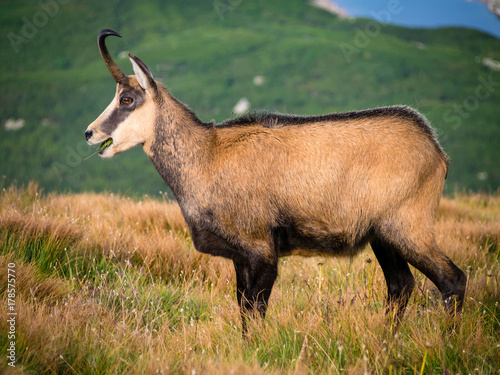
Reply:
x=107, y=284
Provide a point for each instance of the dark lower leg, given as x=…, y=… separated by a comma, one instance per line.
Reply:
x=254, y=282
x=399, y=279
x=451, y=283
x=448, y=278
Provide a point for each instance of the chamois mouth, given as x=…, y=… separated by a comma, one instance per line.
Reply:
x=104, y=145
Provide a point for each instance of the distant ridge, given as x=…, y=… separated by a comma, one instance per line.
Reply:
x=330, y=7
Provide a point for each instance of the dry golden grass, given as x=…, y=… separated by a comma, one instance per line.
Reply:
x=108, y=284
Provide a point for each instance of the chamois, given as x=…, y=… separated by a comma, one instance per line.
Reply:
x=262, y=186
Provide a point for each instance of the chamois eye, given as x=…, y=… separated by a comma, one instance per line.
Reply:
x=126, y=100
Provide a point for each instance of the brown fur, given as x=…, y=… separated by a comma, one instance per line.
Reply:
x=260, y=187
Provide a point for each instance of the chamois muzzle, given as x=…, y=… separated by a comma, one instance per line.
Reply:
x=112, y=66
x=88, y=134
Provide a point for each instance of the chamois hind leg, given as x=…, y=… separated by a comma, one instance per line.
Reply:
x=449, y=279
x=399, y=279
x=254, y=281
x=416, y=244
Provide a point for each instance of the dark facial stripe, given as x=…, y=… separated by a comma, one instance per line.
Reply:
x=111, y=123
x=119, y=114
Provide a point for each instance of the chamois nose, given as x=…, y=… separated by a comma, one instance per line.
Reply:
x=88, y=134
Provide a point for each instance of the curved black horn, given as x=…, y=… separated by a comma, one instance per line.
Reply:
x=112, y=66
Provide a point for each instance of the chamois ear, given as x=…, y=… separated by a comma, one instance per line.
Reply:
x=143, y=75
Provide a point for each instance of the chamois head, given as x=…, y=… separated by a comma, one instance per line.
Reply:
x=128, y=120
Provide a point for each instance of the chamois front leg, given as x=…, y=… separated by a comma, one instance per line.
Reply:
x=399, y=279
x=254, y=281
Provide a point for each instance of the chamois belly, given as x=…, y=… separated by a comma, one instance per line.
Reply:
x=292, y=241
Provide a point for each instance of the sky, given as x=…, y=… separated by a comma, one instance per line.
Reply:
x=426, y=13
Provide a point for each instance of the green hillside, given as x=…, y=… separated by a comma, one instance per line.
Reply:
x=207, y=54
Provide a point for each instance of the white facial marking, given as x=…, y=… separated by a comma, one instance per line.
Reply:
x=97, y=135
x=135, y=130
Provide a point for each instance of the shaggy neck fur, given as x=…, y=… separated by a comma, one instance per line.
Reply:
x=179, y=148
